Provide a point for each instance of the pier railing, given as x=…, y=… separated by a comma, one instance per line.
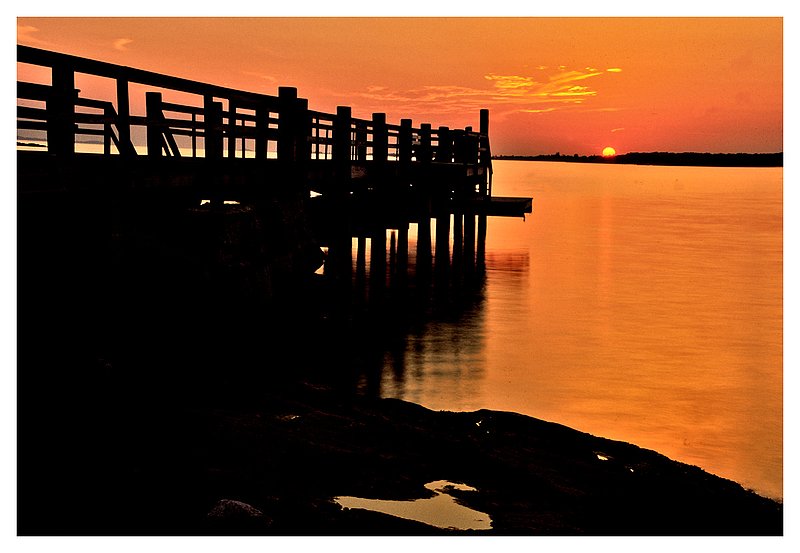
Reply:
x=188, y=119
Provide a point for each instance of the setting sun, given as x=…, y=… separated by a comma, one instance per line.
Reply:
x=608, y=151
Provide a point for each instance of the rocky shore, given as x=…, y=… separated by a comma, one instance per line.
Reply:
x=273, y=465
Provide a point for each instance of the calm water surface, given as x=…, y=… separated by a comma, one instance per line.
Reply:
x=637, y=303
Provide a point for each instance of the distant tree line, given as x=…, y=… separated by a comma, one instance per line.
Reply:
x=664, y=158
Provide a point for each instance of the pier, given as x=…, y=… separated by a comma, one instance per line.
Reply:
x=152, y=138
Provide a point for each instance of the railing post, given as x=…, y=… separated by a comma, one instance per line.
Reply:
x=155, y=140
x=287, y=119
x=459, y=146
x=361, y=141
x=108, y=113
x=194, y=135
x=302, y=134
x=342, y=139
x=444, y=150
x=485, y=154
x=213, y=145
x=262, y=130
x=124, y=118
x=212, y=128
x=340, y=253
x=484, y=132
x=424, y=150
x=380, y=138
x=61, y=112
x=232, y=130
x=471, y=147
x=404, y=142
x=424, y=157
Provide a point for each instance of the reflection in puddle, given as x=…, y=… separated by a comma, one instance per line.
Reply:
x=441, y=510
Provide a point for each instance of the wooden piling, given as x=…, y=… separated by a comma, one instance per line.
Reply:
x=469, y=240
x=124, y=119
x=481, y=245
x=402, y=248
x=361, y=256
x=392, y=251
x=458, y=237
x=155, y=140
x=424, y=244
x=341, y=233
x=377, y=268
x=442, y=241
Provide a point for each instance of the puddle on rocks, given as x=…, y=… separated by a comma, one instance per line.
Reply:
x=441, y=510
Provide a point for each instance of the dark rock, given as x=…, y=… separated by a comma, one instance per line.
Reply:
x=230, y=514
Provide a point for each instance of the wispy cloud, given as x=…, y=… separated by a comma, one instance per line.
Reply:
x=544, y=110
x=546, y=90
x=27, y=34
x=620, y=129
x=261, y=76
x=511, y=82
x=121, y=44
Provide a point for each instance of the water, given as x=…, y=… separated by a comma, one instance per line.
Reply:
x=637, y=303
x=442, y=510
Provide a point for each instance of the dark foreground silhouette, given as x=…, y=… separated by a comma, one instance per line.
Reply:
x=158, y=396
x=126, y=464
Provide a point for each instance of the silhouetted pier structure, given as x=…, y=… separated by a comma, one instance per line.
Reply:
x=178, y=142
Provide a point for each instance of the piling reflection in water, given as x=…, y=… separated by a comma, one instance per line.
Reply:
x=402, y=287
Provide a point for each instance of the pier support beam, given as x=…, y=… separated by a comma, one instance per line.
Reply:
x=442, y=243
x=481, y=246
x=402, y=248
x=469, y=240
x=458, y=239
x=361, y=257
x=377, y=270
x=424, y=245
x=341, y=235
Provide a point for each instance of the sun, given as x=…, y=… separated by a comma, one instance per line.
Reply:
x=608, y=151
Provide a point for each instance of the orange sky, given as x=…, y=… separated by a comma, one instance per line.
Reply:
x=569, y=85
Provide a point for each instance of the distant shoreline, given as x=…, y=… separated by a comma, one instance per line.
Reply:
x=692, y=159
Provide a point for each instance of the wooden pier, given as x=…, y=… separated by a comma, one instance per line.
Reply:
x=178, y=142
